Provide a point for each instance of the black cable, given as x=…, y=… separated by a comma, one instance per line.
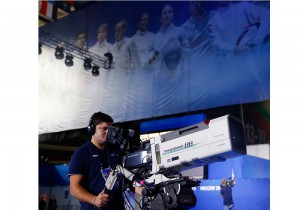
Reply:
x=140, y=166
x=141, y=206
x=128, y=202
x=138, y=203
x=124, y=193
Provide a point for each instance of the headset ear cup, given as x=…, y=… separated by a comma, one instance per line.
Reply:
x=91, y=128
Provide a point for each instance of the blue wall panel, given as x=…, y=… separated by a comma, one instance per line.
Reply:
x=244, y=167
x=248, y=194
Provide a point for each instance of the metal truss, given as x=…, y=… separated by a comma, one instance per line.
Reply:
x=52, y=41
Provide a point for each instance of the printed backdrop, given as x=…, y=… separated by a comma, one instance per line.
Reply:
x=192, y=56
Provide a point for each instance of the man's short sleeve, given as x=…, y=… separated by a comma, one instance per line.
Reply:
x=77, y=163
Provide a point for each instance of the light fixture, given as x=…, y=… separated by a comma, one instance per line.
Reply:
x=87, y=64
x=109, y=57
x=69, y=60
x=59, y=52
x=95, y=70
x=40, y=48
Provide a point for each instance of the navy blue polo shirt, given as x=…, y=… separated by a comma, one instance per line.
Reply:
x=88, y=160
x=226, y=191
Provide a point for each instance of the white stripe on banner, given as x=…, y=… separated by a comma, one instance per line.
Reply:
x=49, y=10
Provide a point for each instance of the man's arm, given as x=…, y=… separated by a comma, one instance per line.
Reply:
x=79, y=192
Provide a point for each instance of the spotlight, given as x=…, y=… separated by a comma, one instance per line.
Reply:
x=59, y=52
x=87, y=64
x=95, y=70
x=109, y=57
x=40, y=48
x=69, y=60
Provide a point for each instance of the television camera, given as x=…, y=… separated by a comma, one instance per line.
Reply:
x=231, y=182
x=158, y=163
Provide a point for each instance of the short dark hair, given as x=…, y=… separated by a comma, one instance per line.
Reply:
x=100, y=117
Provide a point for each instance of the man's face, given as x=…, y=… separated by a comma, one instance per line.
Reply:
x=142, y=25
x=166, y=15
x=119, y=32
x=81, y=39
x=102, y=33
x=101, y=132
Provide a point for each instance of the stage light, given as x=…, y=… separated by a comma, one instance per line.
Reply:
x=109, y=57
x=59, y=52
x=69, y=60
x=40, y=48
x=95, y=70
x=87, y=64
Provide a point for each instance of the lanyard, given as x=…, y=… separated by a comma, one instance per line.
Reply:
x=105, y=156
x=108, y=157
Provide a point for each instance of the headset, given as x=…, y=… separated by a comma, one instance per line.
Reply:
x=91, y=127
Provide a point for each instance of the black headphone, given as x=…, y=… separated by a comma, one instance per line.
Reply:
x=91, y=127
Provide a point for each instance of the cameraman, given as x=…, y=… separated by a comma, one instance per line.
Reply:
x=226, y=193
x=89, y=166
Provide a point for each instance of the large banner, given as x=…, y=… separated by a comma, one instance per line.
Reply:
x=168, y=57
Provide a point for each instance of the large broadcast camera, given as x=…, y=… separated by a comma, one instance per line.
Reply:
x=158, y=163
